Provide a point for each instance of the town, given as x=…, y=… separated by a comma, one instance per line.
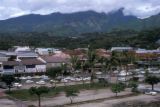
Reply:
x=26, y=68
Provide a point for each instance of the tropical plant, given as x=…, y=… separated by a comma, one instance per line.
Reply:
x=133, y=85
x=117, y=88
x=74, y=62
x=71, y=93
x=38, y=91
x=114, y=61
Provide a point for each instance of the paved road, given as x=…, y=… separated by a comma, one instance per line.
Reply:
x=109, y=103
x=83, y=96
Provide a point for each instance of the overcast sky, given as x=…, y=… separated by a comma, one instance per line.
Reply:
x=139, y=8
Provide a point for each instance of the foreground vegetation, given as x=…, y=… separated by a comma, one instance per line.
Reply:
x=97, y=40
x=24, y=94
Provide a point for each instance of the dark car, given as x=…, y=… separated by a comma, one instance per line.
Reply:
x=3, y=85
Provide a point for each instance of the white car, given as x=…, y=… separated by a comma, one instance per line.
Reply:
x=18, y=85
x=29, y=81
x=151, y=93
x=23, y=78
x=53, y=81
x=41, y=82
x=123, y=79
x=37, y=77
x=98, y=73
x=87, y=79
x=29, y=77
x=64, y=80
x=78, y=79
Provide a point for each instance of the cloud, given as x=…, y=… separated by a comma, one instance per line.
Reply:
x=139, y=8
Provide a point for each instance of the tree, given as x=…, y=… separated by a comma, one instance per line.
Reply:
x=53, y=73
x=152, y=80
x=71, y=93
x=133, y=85
x=117, y=88
x=91, y=56
x=74, y=62
x=113, y=62
x=38, y=91
x=8, y=79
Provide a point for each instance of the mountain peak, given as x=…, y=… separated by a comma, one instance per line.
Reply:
x=78, y=22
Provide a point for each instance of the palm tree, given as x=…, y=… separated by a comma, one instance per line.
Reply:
x=91, y=55
x=82, y=71
x=114, y=61
x=74, y=61
x=64, y=70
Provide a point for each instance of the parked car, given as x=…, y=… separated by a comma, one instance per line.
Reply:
x=29, y=81
x=151, y=93
x=41, y=82
x=29, y=77
x=23, y=78
x=18, y=85
x=37, y=77
x=122, y=79
x=87, y=78
x=3, y=85
x=53, y=81
x=64, y=80
x=45, y=77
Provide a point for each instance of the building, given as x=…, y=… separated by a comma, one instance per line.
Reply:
x=54, y=61
x=26, y=55
x=45, y=51
x=33, y=65
x=121, y=49
x=23, y=66
x=9, y=67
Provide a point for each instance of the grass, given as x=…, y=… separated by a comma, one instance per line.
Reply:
x=24, y=94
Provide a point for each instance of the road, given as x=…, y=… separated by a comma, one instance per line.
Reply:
x=86, y=95
x=110, y=103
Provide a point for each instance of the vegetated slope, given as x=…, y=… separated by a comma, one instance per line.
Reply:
x=77, y=23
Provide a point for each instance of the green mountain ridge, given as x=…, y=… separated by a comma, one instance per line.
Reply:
x=77, y=23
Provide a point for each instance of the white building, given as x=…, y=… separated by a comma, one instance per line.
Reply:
x=45, y=51
x=21, y=48
x=121, y=49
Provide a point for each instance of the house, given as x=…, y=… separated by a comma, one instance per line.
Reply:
x=54, y=61
x=45, y=51
x=23, y=66
x=33, y=65
x=9, y=67
x=103, y=53
x=26, y=55
x=80, y=53
x=121, y=49
x=20, y=48
x=3, y=57
x=7, y=56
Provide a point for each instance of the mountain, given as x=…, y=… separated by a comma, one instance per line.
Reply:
x=77, y=23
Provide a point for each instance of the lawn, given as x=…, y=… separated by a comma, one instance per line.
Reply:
x=24, y=94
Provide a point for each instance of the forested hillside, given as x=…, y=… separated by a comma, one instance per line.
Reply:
x=145, y=39
x=77, y=23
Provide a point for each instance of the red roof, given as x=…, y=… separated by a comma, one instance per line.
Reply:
x=11, y=63
x=32, y=62
x=54, y=59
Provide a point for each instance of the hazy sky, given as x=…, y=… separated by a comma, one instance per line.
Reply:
x=139, y=8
